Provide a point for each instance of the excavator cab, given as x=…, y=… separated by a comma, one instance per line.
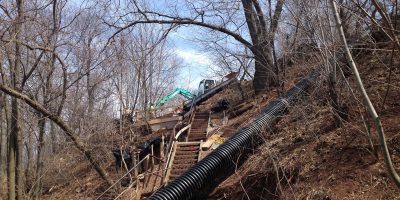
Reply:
x=206, y=85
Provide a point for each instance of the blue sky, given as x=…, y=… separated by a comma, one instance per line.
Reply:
x=196, y=63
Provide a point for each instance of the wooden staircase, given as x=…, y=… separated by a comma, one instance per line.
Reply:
x=198, y=129
x=183, y=155
x=186, y=154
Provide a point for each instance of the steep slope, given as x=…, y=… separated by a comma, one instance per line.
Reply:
x=306, y=156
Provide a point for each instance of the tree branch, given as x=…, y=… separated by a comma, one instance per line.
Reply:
x=68, y=131
x=187, y=22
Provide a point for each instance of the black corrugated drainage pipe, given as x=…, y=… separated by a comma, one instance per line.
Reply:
x=219, y=164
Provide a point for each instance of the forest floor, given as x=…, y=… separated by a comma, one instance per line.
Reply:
x=305, y=156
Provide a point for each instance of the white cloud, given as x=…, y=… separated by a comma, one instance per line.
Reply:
x=197, y=67
x=194, y=57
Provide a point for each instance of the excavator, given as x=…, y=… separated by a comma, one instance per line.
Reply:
x=188, y=95
x=204, y=86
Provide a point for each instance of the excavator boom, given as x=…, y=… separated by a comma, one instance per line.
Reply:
x=171, y=95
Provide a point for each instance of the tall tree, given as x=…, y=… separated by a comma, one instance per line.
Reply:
x=262, y=35
x=3, y=147
x=15, y=172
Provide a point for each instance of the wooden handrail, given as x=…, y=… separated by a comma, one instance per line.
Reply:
x=181, y=131
x=170, y=161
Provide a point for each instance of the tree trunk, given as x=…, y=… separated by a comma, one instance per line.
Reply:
x=53, y=138
x=12, y=150
x=3, y=149
x=29, y=163
x=265, y=75
x=15, y=107
x=14, y=167
x=20, y=158
x=39, y=159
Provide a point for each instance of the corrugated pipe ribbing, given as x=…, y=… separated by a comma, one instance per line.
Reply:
x=222, y=161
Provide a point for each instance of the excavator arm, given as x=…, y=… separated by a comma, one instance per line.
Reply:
x=171, y=95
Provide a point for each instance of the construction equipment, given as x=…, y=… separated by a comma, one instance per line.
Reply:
x=207, y=89
x=205, y=85
x=171, y=95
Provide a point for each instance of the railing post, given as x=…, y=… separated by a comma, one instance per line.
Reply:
x=162, y=148
x=152, y=155
x=135, y=161
x=199, y=157
x=136, y=173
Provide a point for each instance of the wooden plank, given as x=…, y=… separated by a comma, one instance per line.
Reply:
x=162, y=120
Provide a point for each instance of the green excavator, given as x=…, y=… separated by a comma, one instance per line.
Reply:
x=188, y=95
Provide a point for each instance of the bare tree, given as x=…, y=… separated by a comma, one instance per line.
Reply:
x=262, y=36
x=3, y=150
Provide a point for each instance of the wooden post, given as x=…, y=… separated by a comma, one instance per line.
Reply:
x=162, y=148
x=152, y=155
x=199, y=157
x=135, y=161
x=136, y=173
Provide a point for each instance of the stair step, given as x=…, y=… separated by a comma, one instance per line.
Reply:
x=197, y=122
x=189, y=148
x=197, y=133
x=182, y=166
x=178, y=171
x=197, y=137
x=179, y=162
x=188, y=153
x=202, y=116
x=201, y=113
x=200, y=136
x=188, y=145
x=202, y=119
x=180, y=157
x=198, y=130
x=180, y=144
